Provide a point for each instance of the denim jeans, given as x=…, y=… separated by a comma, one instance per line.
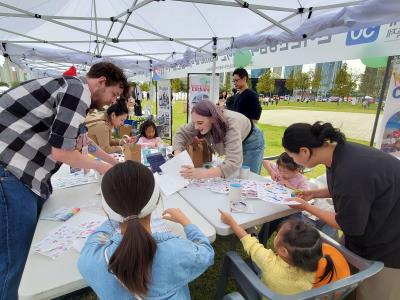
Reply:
x=253, y=150
x=19, y=211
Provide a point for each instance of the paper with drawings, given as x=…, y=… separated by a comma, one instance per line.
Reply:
x=171, y=181
x=73, y=179
x=267, y=191
x=62, y=238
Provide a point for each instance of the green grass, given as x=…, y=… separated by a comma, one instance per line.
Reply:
x=323, y=106
x=204, y=286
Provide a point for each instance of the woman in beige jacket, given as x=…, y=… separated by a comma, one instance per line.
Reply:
x=101, y=123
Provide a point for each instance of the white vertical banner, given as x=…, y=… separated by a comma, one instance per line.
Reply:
x=389, y=134
x=164, y=109
x=199, y=88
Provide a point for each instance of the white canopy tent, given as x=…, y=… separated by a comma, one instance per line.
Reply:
x=140, y=34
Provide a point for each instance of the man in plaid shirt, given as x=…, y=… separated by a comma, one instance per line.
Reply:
x=41, y=127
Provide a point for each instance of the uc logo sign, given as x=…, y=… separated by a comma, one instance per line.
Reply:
x=362, y=36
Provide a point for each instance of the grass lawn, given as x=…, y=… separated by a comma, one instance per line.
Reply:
x=323, y=106
x=204, y=287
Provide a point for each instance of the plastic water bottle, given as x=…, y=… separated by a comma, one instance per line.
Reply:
x=145, y=152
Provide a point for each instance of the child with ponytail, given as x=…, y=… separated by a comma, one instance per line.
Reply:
x=123, y=259
x=292, y=268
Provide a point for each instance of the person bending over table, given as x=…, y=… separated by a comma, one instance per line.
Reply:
x=364, y=185
x=227, y=133
x=100, y=124
x=42, y=127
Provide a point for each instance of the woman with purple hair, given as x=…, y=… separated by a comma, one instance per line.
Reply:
x=228, y=133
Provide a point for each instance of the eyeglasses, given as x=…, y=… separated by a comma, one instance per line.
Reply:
x=236, y=80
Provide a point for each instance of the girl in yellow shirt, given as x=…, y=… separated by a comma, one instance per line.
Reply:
x=291, y=269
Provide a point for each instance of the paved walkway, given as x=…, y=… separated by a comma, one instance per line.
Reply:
x=354, y=125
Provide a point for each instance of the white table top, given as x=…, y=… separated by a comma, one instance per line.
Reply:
x=44, y=278
x=207, y=203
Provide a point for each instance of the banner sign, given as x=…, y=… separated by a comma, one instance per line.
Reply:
x=199, y=86
x=389, y=137
x=164, y=109
x=383, y=40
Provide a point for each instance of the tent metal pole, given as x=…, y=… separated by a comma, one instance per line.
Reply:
x=268, y=18
x=233, y=4
x=337, y=5
x=141, y=4
x=133, y=52
x=128, y=14
x=97, y=31
x=119, y=40
x=214, y=63
x=154, y=53
x=14, y=15
x=43, y=41
x=378, y=110
x=280, y=21
x=163, y=36
x=51, y=20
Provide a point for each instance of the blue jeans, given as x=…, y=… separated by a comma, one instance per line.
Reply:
x=253, y=150
x=19, y=211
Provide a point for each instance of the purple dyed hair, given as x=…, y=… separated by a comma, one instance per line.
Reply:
x=219, y=126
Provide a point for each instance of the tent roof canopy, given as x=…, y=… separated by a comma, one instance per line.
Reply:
x=138, y=34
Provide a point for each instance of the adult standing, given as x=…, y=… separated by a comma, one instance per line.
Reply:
x=41, y=127
x=226, y=132
x=364, y=185
x=248, y=104
x=137, y=94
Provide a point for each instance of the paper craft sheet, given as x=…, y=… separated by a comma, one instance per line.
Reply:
x=61, y=239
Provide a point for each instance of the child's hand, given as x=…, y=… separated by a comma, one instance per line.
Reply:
x=176, y=215
x=274, y=175
x=226, y=218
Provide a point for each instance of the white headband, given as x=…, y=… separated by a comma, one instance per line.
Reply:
x=148, y=209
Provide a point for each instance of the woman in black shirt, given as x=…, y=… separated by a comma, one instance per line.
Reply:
x=364, y=184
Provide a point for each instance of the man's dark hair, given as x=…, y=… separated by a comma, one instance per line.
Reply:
x=114, y=75
x=241, y=73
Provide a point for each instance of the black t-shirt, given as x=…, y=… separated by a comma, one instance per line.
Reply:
x=248, y=104
x=365, y=187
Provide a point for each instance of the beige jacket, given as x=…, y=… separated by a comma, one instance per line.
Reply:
x=238, y=129
x=99, y=130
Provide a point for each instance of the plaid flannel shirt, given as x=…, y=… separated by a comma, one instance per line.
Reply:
x=35, y=116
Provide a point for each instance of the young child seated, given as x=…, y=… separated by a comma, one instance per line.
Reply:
x=123, y=259
x=291, y=269
x=149, y=135
x=286, y=172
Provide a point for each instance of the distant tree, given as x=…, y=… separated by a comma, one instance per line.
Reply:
x=177, y=85
x=316, y=77
x=342, y=83
x=371, y=82
x=351, y=85
x=290, y=83
x=144, y=86
x=266, y=83
x=302, y=82
x=227, y=87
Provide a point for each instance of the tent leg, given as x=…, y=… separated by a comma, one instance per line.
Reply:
x=378, y=110
x=213, y=98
